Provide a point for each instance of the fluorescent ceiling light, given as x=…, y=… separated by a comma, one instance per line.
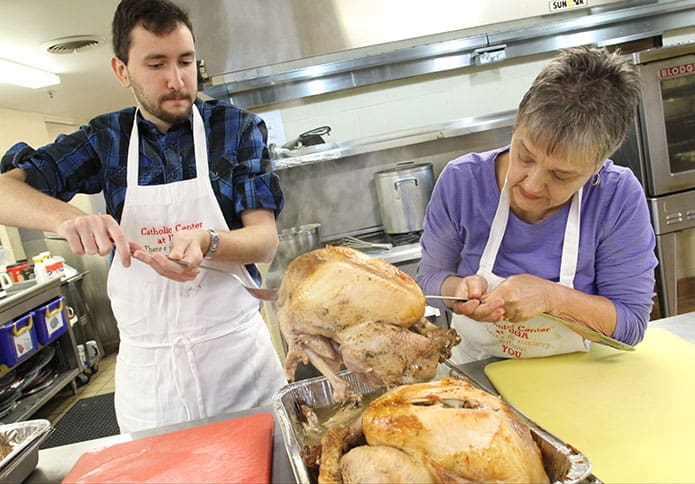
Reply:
x=25, y=76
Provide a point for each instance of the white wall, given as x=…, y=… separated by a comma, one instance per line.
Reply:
x=35, y=130
x=15, y=126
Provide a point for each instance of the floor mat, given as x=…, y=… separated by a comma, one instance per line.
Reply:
x=90, y=418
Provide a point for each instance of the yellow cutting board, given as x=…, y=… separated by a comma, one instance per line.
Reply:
x=631, y=413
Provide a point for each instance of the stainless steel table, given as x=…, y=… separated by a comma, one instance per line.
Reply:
x=682, y=325
x=56, y=462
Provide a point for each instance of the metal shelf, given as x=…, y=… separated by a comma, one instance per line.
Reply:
x=29, y=405
x=451, y=129
x=69, y=367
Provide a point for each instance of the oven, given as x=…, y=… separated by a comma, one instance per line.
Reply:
x=660, y=149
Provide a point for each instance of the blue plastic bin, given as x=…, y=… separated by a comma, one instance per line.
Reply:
x=51, y=320
x=18, y=340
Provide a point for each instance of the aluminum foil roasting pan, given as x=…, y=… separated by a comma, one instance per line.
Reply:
x=25, y=439
x=562, y=462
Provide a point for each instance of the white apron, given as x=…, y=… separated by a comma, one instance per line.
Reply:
x=188, y=350
x=539, y=336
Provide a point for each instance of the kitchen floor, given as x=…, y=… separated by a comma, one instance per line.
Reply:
x=99, y=383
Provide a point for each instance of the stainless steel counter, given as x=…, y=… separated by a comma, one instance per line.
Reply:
x=56, y=462
x=23, y=301
x=682, y=325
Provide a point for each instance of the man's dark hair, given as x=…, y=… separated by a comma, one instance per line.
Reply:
x=157, y=16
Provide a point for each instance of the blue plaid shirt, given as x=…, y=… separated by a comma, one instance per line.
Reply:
x=93, y=159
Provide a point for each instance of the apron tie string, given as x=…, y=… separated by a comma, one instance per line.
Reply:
x=186, y=343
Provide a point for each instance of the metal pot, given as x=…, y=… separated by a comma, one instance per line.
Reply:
x=403, y=193
x=297, y=240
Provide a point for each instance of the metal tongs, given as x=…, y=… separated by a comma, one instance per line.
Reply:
x=448, y=298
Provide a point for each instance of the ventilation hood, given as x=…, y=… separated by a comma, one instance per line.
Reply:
x=269, y=51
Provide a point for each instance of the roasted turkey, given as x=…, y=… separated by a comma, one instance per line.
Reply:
x=441, y=431
x=339, y=306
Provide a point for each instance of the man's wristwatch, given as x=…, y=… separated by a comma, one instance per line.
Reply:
x=212, y=248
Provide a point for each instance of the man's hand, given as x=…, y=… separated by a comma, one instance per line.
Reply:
x=189, y=246
x=95, y=234
x=185, y=255
x=166, y=267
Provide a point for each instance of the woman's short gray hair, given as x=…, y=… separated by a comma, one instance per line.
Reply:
x=582, y=104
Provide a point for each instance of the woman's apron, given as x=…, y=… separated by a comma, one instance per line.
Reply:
x=539, y=336
x=188, y=350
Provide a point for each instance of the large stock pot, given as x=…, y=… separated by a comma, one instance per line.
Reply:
x=403, y=193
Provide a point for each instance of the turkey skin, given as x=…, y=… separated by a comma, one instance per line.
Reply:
x=441, y=431
x=339, y=306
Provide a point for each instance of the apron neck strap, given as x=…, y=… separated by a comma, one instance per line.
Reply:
x=199, y=147
x=570, y=246
x=497, y=229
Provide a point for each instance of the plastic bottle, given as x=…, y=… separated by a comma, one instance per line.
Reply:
x=40, y=269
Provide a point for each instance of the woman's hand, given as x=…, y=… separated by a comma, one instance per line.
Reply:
x=479, y=307
x=524, y=296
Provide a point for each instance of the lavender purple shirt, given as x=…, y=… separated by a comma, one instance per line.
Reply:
x=616, y=244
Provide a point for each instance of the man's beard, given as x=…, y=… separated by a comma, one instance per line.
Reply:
x=155, y=108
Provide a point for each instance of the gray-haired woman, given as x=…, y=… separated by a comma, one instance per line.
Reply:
x=547, y=224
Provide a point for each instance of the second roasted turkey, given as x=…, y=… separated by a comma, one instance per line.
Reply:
x=338, y=306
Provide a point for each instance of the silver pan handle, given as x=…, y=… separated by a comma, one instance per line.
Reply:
x=403, y=180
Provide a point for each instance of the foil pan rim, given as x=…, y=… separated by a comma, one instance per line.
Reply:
x=579, y=464
x=33, y=430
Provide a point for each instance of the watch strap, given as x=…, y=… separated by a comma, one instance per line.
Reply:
x=214, y=242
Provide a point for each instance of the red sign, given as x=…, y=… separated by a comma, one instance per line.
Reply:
x=676, y=71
